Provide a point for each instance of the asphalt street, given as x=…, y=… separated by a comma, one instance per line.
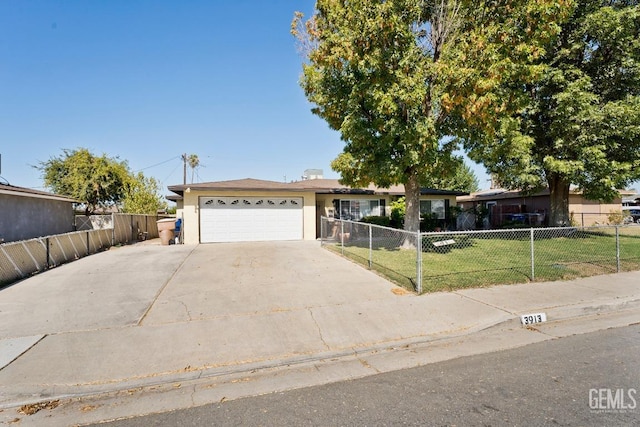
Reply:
x=581, y=380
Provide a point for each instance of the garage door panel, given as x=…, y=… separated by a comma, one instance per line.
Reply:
x=238, y=219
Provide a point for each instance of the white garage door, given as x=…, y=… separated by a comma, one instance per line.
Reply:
x=245, y=219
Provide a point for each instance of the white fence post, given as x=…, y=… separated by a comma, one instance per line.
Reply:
x=617, y=249
x=419, y=263
x=370, y=246
x=533, y=263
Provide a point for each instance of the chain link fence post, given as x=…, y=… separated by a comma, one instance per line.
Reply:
x=617, y=248
x=370, y=246
x=418, y=263
x=533, y=260
x=342, y=236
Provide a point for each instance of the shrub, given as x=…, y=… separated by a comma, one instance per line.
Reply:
x=398, y=209
x=430, y=222
x=615, y=217
x=377, y=220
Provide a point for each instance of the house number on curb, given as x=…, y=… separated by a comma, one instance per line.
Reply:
x=529, y=319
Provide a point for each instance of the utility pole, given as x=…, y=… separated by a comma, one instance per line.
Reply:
x=184, y=169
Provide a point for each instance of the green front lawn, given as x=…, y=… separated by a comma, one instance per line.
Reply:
x=489, y=261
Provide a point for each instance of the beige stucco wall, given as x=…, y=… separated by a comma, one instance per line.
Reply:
x=179, y=208
x=589, y=212
x=191, y=215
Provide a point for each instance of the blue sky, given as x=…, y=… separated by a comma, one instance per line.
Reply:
x=149, y=80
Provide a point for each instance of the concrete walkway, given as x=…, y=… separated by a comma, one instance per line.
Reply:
x=148, y=317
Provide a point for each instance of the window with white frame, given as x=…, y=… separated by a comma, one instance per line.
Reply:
x=356, y=209
x=436, y=207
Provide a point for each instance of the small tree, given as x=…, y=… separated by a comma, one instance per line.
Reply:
x=101, y=182
x=142, y=196
x=96, y=181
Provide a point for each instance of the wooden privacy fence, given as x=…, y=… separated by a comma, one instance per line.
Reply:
x=21, y=259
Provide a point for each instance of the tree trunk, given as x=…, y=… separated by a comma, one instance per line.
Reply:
x=412, y=209
x=559, y=201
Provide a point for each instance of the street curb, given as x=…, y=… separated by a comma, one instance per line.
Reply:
x=554, y=314
x=575, y=311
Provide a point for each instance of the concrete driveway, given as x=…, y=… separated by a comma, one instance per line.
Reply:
x=149, y=284
x=147, y=313
x=226, y=280
x=219, y=316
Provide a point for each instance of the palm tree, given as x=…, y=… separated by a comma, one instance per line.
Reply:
x=194, y=162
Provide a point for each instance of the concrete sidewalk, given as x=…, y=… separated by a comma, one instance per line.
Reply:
x=148, y=317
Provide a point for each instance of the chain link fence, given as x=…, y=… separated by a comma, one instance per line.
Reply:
x=428, y=262
x=19, y=260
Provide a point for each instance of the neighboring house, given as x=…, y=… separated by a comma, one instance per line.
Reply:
x=631, y=200
x=257, y=210
x=511, y=207
x=27, y=213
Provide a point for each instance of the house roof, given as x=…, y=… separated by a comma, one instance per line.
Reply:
x=13, y=190
x=235, y=184
x=318, y=186
x=498, y=194
x=631, y=198
x=501, y=193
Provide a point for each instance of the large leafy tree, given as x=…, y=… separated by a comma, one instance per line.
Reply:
x=99, y=181
x=581, y=121
x=379, y=72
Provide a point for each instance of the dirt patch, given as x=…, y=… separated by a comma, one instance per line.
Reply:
x=37, y=407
